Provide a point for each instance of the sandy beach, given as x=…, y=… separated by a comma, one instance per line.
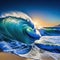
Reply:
x=8, y=56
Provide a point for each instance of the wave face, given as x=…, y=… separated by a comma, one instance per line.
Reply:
x=18, y=26
x=17, y=33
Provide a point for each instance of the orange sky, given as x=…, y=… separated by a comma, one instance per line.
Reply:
x=41, y=23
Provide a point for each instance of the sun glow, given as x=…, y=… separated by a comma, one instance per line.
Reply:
x=37, y=23
x=40, y=23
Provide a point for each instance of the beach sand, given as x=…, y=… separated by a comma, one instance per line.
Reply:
x=8, y=56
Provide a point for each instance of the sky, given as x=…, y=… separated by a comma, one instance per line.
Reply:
x=44, y=13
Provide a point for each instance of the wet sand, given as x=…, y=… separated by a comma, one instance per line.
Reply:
x=8, y=56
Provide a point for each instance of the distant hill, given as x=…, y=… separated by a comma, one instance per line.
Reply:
x=58, y=25
x=52, y=27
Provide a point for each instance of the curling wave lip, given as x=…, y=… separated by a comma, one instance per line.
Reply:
x=32, y=33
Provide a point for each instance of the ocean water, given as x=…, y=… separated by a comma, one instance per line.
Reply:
x=50, y=31
x=47, y=46
x=50, y=46
x=34, y=52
